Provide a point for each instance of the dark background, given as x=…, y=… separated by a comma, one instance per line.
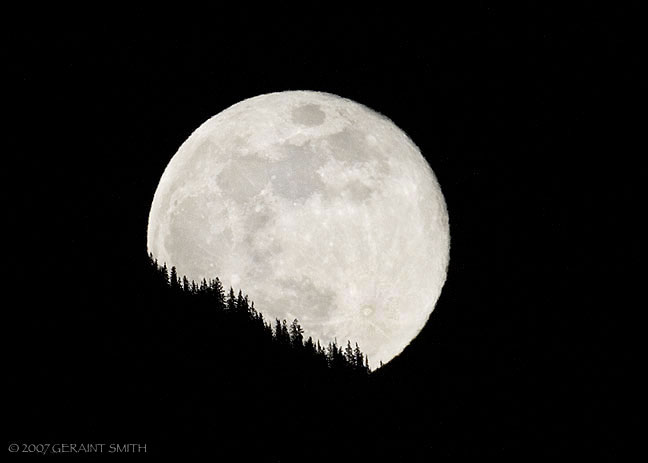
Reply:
x=523, y=114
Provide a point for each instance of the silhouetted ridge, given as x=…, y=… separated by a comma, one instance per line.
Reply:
x=210, y=294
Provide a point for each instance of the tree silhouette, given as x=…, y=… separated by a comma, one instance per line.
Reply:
x=349, y=355
x=231, y=300
x=244, y=316
x=281, y=333
x=216, y=291
x=173, y=280
x=358, y=360
x=241, y=302
x=309, y=346
x=296, y=335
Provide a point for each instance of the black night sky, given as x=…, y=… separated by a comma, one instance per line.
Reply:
x=523, y=116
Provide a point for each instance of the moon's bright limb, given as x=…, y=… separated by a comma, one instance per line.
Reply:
x=317, y=207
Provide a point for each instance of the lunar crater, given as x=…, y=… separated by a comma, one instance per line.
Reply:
x=309, y=115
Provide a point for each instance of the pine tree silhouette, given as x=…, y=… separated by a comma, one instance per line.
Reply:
x=211, y=295
x=231, y=300
x=309, y=346
x=296, y=335
x=241, y=304
x=349, y=355
x=358, y=360
x=173, y=280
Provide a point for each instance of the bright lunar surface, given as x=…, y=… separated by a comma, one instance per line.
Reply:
x=315, y=206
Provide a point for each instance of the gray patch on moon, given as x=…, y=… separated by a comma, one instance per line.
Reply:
x=295, y=175
x=358, y=191
x=236, y=182
x=205, y=149
x=204, y=154
x=244, y=179
x=309, y=115
x=318, y=302
x=261, y=249
x=350, y=145
x=189, y=239
x=255, y=221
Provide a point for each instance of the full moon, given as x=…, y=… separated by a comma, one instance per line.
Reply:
x=318, y=208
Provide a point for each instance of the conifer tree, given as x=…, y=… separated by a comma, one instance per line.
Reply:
x=257, y=316
x=285, y=336
x=358, y=360
x=296, y=334
x=240, y=302
x=174, y=280
x=277, y=331
x=267, y=328
x=348, y=355
x=231, y=300
x=311, y=345
x=334, y=355
x=216, y=290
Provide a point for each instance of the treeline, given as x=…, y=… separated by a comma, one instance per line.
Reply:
x=347, y=359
